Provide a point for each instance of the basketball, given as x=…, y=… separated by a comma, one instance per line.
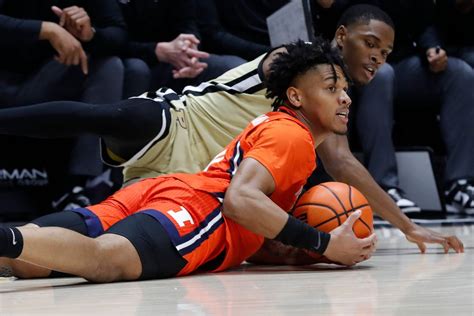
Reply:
x=328, y=205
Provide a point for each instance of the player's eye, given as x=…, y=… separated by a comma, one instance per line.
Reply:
x=369, y=44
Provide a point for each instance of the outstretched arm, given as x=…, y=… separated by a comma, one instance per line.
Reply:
x=344, y=167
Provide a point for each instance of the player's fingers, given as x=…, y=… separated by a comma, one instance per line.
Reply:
x=57, y=11
x=456, y=244
x=200, y=65
x=181, y=73
x=71, y=10
x=75, y=59
x=195, y=63
x=62, y=20
x=78, y=17
x=196, y=53
x=445, y=245
x=84, y=62
x=367, y=242
x=190, y=37
x=185, y=45
x=68, y=23
x=82, y=21
x=352, y=218
x=78, y=14
x=421, y=246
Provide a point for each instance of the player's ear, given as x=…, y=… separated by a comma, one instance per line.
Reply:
x=294, y=97
x=340, y=36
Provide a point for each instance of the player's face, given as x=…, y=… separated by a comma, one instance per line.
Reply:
x=365, y=47
x=322, y=100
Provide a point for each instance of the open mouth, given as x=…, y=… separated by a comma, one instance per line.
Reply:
x=343, y=114
x=371, y=70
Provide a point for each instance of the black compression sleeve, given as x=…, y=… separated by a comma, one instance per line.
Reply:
x=299, y=234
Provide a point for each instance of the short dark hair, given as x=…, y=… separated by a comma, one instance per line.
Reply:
x=363, y=13
x=299, y=58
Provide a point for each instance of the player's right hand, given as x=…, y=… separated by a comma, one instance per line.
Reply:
x=345, y=248
x=69, y=49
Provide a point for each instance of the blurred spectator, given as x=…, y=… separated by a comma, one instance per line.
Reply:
x=456, y=23
x=165, y=35
x=326, y=14
x=60, y=53
x=421, y=75
x=245, y=33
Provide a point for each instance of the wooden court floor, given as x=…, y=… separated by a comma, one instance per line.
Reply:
x=396, y=281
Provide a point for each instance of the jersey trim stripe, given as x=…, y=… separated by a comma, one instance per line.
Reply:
x=241, y=78
x=194, y=239
x=165, y=127
x=93, y=224
x=235, y=160
x=243, y=84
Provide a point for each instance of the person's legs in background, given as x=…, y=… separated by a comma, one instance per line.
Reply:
x=467, y=54
x=453, y=87
x=54, y=81
x=374, y=124
x=104, y=84
x=137, y=77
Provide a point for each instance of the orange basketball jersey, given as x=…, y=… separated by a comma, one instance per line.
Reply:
x=189, y=205
x=282, y=144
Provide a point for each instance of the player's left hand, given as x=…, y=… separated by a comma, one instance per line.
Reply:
x=76, y=21
x=420, y=235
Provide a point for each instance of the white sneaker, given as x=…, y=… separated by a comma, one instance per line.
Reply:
x=406, y=205
x=460, y=198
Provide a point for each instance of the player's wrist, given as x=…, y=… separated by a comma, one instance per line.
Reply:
x=160, y=51
x=48, y=30
x=299, y=234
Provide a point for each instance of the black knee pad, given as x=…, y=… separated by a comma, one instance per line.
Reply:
x=64, y=219
x=158, y=255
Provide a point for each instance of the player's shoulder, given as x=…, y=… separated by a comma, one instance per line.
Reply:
x=282, y=126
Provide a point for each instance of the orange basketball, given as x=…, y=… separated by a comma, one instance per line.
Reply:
x=328, y=205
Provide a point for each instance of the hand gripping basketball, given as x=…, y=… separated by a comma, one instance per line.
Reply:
x=345, y=248
x=328, y=206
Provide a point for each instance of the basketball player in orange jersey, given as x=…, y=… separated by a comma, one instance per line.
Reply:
x=162, y=132
x=178, y=224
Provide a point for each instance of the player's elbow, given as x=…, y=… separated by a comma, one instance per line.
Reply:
x=234, y=203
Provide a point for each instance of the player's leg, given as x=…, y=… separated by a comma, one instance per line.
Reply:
x=158, y=256
x=104, y=259
x=91, y=222
x=125, y=126
x=69, y=220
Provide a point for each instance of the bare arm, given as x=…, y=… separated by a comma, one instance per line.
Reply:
x=247, y=203
x=344, y=167
x=276, y=253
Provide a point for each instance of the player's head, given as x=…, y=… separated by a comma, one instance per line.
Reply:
x=365, y=36
x=311, y=78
